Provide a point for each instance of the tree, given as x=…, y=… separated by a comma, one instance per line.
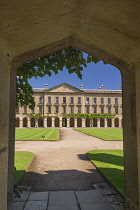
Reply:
x=71, y=58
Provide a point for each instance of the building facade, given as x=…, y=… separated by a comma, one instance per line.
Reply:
x=64, y=98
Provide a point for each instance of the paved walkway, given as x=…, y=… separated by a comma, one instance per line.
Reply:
x=63, y=166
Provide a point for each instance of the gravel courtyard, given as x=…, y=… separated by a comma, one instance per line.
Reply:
x=63, y=165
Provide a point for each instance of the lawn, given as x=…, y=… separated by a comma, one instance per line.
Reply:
x=22, y=161
x=37, y=133
x=110, y=164
x=103, y=133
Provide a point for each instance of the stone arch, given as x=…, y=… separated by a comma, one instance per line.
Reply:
x=102, y=122
x=49, y=122
x=71, y=121
x=25, y=122
x=32, y=122
x=94, y=122
x=116, y=122
x=109, y=122
x=40, y=122
x=87, y=122
x=56, y=122
x=79, y=122
x=104, y=52
x=17, y=124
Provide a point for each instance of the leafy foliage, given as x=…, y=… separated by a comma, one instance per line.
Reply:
x=70, y=57
x=86, y=115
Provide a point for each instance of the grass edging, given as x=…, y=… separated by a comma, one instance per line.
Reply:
x=16, y=182
x=110, y=165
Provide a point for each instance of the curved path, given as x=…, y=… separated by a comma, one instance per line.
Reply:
x=63, y=165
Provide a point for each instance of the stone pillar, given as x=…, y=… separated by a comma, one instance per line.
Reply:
x=75, y=122
x=36, y=123
x=60, y=123
x=120, y=122
x=83, y=123
x=105, y=122
x=53, y=122
x=21, y=123
x=4, y=128
x=98, y=122
x=45, y=122
x=112, y=122
x=28, y=122
x=131, y=133
x=68, y=122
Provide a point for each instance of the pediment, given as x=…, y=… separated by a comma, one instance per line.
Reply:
x=65, y=88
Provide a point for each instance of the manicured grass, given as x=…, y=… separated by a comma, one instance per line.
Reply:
x=22, y=161
x=110, y=164
x=37, y=133
x=103, y=133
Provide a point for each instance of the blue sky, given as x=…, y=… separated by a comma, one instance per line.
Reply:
x=93, y=77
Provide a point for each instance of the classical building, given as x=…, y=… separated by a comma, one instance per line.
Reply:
x=64, y=98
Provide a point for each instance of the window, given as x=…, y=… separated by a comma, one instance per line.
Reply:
x=79, y=100
x=49, y=109
x=102, y=110
x=56, y=109
x=64, y=109
x=116, y=110
x=49, y=99
x=57, y=100
x=102, y=100
x=40, y=99
x=116, y=100
x=94, y=100
x=87, y=100
x=79, y=109
x=71, y=109
x=109, y=110
x=87, y=109
x=25, y=109
x=64, y=100
x=109, y=101
x=71, y=100
x=40, y=109
x=17, y=109
x=94, y=109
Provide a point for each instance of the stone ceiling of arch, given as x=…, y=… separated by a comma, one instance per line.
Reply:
x=30, y=24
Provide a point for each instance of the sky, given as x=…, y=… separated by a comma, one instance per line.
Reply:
x=93, y=77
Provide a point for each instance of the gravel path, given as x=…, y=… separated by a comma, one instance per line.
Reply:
x=63, y=165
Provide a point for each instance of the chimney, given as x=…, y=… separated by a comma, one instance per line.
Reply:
x=46, y=86
x=81, y=87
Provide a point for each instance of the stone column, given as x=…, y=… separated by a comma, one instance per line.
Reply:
x=36, y=123
x=105, y=122
x=120, y=122
x=28, y=122
x=68, y=122
x=75, y=122
x=21, y=123
x=112, y=122
x=60, y=122
x=83, y=123
x=98, y=122
x=45, y=122
x=53, y=122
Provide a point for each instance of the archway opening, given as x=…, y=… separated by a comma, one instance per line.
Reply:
x=79, y=122
x=40, y=122
x=17, y=122
x=56, y=124
x=71, y=122
x=64, y=122
x=116, y=122
x=94, y=122
x=49, y=122
x=32, y=122
x=109, y=122
x=25, y=122
x=102, y=122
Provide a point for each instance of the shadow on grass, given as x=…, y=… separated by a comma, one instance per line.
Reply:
x=106, y=158
x=18, y=176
